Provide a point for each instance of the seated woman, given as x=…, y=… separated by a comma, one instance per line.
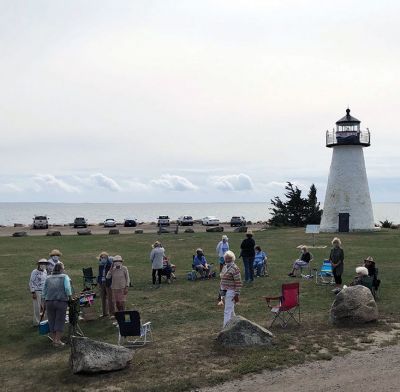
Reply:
x=260, y=261
x=362, y=278
x=200, y=264
x=369, y=264
x=168, y=269
x=303, y=261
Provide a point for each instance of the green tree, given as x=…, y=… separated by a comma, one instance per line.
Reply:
x=296, y=210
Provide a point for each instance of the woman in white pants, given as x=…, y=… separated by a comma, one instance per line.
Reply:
x=231, y=282
x=36, y=284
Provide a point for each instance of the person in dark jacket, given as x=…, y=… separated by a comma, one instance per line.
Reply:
x=336, y=258
x=369, y=264
x=248, y=253
x=107, y=304
x=301, y=262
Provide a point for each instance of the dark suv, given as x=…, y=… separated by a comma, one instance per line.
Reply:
x=130, y=222
x=238, y=221
x=80, y=222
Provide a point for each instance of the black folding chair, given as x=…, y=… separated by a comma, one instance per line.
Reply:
x=89, y=280
x=129, y=325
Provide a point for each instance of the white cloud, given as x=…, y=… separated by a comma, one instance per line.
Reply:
x=173, y=183
x=48, y=180
x=105, y=182
x=232, y=182
x=10, y=188
x=133, y=185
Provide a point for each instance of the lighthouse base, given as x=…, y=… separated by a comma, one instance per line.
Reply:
x=347, y=206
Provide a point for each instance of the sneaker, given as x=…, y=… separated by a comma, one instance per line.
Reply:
x=291, y=274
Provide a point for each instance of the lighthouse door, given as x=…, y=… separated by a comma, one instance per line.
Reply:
x=344, y=222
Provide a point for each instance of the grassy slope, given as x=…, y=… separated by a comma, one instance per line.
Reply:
x=184, y=315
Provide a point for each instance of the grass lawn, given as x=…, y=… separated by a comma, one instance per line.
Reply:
x=184, y=315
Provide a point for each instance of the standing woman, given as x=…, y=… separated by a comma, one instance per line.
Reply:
x=55, y=255
x=222, y=248
x=57, y=292
x=248, y=253
x=156, y=257
x=231, y=282
x=36, y=285
x=336, y=258
x=107, y=303
x=119, y=283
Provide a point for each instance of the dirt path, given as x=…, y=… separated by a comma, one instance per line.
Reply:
x=366, y=371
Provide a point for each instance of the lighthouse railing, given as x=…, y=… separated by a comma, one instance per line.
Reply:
x=334, y=138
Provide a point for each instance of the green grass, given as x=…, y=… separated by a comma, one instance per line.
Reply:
x=184, y=315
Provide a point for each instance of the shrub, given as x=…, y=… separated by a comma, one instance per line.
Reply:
x=386, y=224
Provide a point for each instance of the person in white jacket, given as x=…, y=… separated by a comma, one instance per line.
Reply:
x=36, y=284
x=222, y=248
x=156, y=258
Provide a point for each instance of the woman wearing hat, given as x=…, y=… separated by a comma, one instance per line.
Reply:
x=222, y=248
x=336, y=258
x=248, y=253
x=57, y=292
x=107, y=304
x=55, y=255
x=120, y=280
x=369, y=263
x=36, y=285
x=156, y=257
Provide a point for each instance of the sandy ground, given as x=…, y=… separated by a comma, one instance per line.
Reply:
x=96, y=229
x=367, y=371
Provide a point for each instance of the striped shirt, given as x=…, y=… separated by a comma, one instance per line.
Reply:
x=230, y=278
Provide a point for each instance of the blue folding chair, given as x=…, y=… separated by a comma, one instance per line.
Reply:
x=325, y=274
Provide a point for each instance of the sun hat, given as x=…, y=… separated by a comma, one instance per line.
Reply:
x=156, y=244
x=369, y=258
x=55, y=252
x=225, y=237
x=42, y=261
x=249, y=232
x=117, y=258
x=102, y=253
x=362, y=271
x=199, y=250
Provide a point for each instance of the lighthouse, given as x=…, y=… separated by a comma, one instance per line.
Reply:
x=347, y=205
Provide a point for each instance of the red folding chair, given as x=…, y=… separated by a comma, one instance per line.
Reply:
x=289, y=304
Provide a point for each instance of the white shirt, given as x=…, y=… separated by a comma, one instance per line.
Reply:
x=36, y=282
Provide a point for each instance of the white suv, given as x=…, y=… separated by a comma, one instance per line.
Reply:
x=210, y=221
x=185, y=220
x=40, y=222
x=163, y=220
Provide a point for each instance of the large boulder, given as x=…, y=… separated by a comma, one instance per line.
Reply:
x=20, y=234
x=92, y=356
x=53, y=233
x=241, y=229
x=191, y=231
x=354, y=305
x=216, y=229
x=138, y=231
x=240, y=332
x=84, y=232
x=113, y=231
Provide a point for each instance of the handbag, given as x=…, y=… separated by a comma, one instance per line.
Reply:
x=44, y=328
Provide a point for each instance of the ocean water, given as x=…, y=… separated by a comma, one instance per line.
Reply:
x=62, y=213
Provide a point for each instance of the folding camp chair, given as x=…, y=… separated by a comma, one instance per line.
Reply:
x=306, y=271
x=325, y=274
x=129, y=325
x=289, y=304
x=89, y=280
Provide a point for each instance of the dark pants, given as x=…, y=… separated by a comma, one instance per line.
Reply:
x=248, y=268
x=56, y=311
x=153, y=274
x=337, y=277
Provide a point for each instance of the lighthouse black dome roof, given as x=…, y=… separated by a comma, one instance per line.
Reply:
x=347, y=119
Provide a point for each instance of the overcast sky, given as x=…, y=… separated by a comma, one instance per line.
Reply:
x=211, y=100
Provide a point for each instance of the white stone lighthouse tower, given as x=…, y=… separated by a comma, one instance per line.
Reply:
x=347, y=204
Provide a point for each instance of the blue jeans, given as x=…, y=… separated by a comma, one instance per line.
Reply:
x=248, y=268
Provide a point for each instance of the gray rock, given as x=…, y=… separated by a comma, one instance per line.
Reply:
x=189, y=231
x=18, y=225
x=20, y=234
x=240, y=332
x=241, y=229
x=216, y=229
x=354, y=305
x=139, y=231
x=84, y=232
x=113, y=231
x=163, y=230
x=92, y=356
x=53, y=233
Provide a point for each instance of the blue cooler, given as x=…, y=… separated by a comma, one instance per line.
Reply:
x=44, y=328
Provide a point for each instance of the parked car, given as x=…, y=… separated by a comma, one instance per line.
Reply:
x=210, y=221
x=238, y=221
x=130, y=222
x=185, y=220
x=110, y=222
x=40, y=222
x=80, y=222
x=163, y=220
